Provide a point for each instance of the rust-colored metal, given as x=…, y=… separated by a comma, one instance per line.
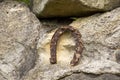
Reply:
x=78, y=47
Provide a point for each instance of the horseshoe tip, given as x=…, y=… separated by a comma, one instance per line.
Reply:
x=53, y=60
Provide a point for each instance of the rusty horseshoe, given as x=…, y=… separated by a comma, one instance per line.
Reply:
x=78, y=46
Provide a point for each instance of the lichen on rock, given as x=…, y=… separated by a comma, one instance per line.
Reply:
x=101, y=38
x=68, y=8
x=25, y=44
x=18, y=35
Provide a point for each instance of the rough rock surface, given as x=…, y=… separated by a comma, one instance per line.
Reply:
x=83, y=76
x=101, y=38
x=65, y=8
x=1, y=0
x=19, y=29
x=24, y=53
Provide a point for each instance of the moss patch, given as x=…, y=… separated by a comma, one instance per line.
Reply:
x=26, y=1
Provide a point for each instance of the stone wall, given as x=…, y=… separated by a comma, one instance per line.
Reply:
x=25, y=38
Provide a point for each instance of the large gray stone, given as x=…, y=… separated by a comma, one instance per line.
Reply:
x=101, y=38
x=83, y=76
x=19, y=29
x=65, y=8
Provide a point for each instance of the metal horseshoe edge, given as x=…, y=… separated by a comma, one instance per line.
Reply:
x=78, y=44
